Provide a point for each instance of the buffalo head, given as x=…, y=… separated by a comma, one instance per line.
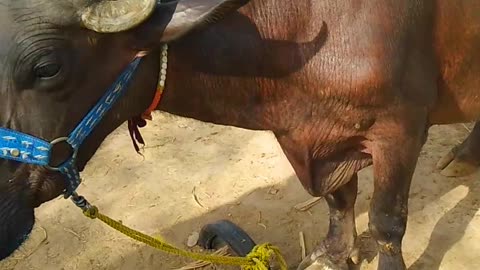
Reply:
x=57, y=58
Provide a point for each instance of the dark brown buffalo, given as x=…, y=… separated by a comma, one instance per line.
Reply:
x=342, y=85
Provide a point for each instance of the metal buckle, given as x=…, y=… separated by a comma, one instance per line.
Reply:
x=72, y=157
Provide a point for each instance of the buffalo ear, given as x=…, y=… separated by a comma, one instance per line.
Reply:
x=190, y=14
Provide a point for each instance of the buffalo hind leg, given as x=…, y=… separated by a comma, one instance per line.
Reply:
x=463, y=159
x=339, y=246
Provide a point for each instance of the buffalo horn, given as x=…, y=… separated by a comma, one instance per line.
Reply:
x=111, y=16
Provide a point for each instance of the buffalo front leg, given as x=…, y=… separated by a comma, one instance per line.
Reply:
x=394, y=162
x=339, y=245
x=463, y=159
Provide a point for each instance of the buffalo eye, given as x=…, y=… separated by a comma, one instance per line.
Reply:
x=47, y=70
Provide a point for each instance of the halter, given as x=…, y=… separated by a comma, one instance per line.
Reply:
x=25, y=148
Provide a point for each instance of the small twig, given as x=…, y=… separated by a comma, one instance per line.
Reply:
x=74, y=233
x=259, y=221
x=302, y=244
x=177, y=219
x=107, y=171
x=467, y=128
x=304, y=206
x=195, y=197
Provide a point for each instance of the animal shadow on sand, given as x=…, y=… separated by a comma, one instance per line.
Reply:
x=448, y=230
x=271, y=218
x=288, y=222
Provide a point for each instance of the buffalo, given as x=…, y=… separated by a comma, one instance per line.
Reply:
x=342, y=84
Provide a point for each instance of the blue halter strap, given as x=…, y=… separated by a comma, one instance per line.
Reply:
x=26, y=148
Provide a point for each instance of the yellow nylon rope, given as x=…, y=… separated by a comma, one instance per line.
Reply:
x=257, y=259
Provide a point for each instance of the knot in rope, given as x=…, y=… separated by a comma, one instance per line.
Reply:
x=261, y=255
x=91, y=212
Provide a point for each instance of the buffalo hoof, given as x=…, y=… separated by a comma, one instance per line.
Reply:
x=459, y=162
x=321, y=260
x=225, y=233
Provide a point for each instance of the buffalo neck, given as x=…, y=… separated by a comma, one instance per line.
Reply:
x=230, y=74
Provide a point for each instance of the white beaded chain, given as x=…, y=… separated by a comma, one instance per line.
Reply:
x=163, y=67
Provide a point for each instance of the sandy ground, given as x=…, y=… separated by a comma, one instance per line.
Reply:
x=243, y=176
